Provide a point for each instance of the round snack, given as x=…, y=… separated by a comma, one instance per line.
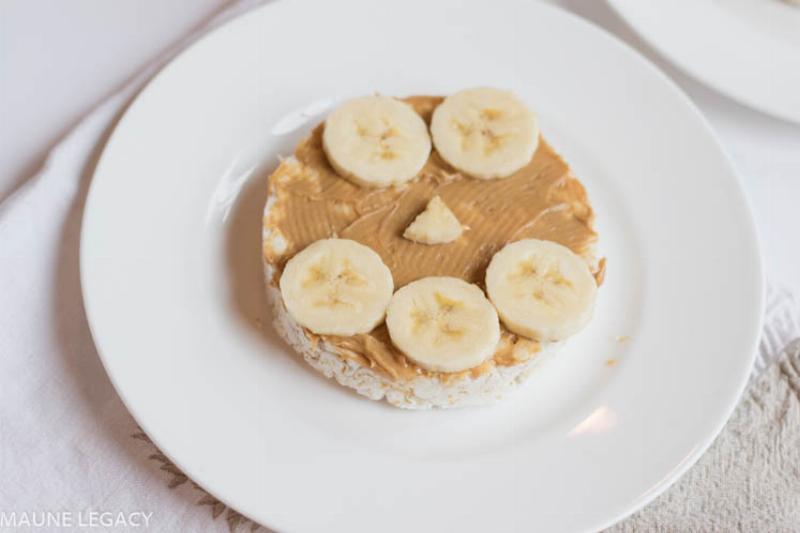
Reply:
x=487, y=133
x=310, y=201
x=337, y=287
x=541, y=289
x=376, y=141
x=443, y=324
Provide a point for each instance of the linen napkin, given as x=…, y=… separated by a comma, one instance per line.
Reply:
x=70, y=448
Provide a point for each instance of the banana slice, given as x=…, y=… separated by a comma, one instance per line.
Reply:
x=376, y=141
x=486, y=133
x=337, y=287
x=541, y=289
x=443, y=324
x=436, y=225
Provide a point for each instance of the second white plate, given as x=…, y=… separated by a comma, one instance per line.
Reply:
x=746, y=49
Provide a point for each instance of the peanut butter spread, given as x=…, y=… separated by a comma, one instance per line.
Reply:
x=311, y=201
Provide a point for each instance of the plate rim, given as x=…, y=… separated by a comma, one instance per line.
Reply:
x=753, y=239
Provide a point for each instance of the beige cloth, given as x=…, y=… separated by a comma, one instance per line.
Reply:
x=749, y=480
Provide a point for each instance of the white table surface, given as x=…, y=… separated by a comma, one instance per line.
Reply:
x=57, y=59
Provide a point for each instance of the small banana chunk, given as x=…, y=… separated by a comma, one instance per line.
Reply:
x=436, y=225
x=484, y=132
x=337, y=287
x=541, y=289
x=443, y=324
x=376, y=141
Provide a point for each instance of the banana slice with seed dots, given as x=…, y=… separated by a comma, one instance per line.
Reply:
x=443, y=324
x=484, y=132
x=376, y=141
x=337, y=287
x=541, y=289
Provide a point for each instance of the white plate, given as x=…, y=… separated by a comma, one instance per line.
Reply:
x=746, y=49
x=172, y=278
